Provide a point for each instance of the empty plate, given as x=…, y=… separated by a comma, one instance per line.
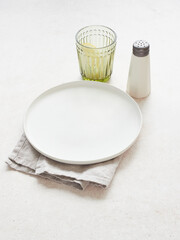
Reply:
x=82, y=122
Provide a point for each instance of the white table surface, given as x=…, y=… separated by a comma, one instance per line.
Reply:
x=37, y=51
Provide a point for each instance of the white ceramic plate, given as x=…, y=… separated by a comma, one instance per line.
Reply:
x=82, y=122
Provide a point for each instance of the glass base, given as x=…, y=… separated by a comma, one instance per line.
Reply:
x=98, y=80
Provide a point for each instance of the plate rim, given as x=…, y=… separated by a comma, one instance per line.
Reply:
x=71, y=84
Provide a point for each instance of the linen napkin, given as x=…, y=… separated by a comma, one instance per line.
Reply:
x=26, y=159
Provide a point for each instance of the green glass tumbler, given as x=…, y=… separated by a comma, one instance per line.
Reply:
x=95, y=48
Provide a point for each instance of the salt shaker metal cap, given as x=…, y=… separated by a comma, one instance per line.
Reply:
x=138, y=85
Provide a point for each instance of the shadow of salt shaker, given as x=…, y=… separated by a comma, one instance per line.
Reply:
x=139, y=84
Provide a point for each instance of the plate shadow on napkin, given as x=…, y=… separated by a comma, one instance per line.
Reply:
x=26, y=159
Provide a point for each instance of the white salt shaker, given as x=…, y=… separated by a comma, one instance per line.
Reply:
x=139, y=85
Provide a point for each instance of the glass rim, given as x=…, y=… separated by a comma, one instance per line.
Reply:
x=114, y=41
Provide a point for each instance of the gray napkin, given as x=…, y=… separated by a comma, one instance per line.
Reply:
x=26, y=159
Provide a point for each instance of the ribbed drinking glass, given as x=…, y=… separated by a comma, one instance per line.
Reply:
x=96, y=47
